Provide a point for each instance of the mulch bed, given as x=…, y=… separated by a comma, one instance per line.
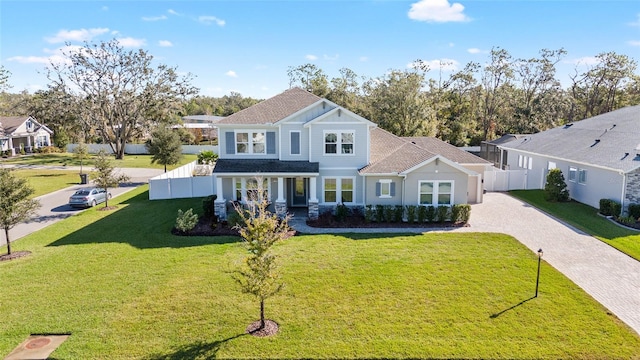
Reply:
x=270, y=328
x=358, y=222
x=14, y=255
x=204, y=228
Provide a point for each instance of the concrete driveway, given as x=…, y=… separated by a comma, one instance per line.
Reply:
x=54, y=206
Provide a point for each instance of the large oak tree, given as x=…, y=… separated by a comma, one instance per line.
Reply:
x=119, y=93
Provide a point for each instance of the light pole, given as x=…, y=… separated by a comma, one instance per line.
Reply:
x=538, y=277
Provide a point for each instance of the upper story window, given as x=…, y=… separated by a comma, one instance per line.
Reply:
x=582, y=176
x=339, y=142
x=251, y=142
x=573, y=172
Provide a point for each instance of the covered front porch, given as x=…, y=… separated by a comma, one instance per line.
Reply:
x=284, y=184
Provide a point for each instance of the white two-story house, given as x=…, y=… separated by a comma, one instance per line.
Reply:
x=309, y=152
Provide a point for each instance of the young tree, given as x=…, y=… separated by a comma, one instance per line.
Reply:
x=556, y=189
x=81, y=152
x=106, y=176
x=15, y=205
x=260, y=230
x=164, y=146
x=118, y=92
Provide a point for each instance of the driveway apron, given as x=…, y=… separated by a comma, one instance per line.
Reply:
x=608, y=275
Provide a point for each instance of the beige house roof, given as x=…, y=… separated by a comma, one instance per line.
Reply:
x=10, y=123
x=447, y=150
x=273, y=109
x=391, y=154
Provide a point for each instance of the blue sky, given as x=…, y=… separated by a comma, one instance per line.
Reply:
x=247, y=46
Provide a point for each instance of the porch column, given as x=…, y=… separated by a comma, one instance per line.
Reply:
x=281, y=202
x=313, y=199
x=220, y=205
x=13, y=151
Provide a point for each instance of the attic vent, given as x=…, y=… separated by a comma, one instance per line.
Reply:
x=595, y=143
x=568, y=126
x=339, y=112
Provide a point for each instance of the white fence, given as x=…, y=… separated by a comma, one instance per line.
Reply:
x=180, y=183
x=137, y=149
x=505, y=180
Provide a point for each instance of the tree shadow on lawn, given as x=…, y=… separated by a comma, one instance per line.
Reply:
x=143, y=224
x=199, y=350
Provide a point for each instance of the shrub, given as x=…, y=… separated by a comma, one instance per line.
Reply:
x=369, y=213
x=442, y=213
x=208, y=206
x=207, y=157
x=48, y=150
x=379, y=213
x=610, y=207
x=398, y=213
x=634, y=211
x=556, y=189
x=411, y=213
x=460, y=213
x=431, y=213
x=422, y=214
x=342, y=211
x=388, y=213
x=627, y=220
x=234, y=219
x=186, y=220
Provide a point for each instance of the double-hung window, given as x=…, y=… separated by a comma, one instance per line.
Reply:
x=250, y=142
x=582, y=176
x=247, y=189
x=338, y=190
x=573, y=174
x=339, y=142
x=436, y=193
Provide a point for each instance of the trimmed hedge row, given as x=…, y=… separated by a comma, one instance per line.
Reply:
x=459, y=213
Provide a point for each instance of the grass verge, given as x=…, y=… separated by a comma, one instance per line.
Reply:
x=47, y=181
x=125, y=288
x=585, y=218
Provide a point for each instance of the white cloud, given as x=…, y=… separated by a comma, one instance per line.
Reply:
x=437, y=11
x=635, y=23
x=231, y=73
x=634, y=42
x=474, y=51
x=587, y=60
x=30, y=59
x=451, y=44
x=76, y=35
x=173, y=12
x=129, y=42
x=154, y=18
x=210, y=20
x=364, y=58
x=165, y=43
x=311, y=57
x=105, y=8
x=331, y=58
x=436, y=64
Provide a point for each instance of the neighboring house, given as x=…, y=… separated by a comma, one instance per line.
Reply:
x=599, y=157
x=203, y=123
x=23, y=133
x=309, y=152
x=491, y=151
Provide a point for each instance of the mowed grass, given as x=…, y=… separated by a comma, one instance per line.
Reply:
x=586, y=218
x=125, y=288
x=68, y=159
x=47, y=181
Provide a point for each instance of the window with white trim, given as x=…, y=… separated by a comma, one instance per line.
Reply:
x=435, y=193
x=338, y=189
x=251, y=142
x=246, y=189
x=551, y=165
x=582, y=176
x=573, y=174
x=339, y=142
x=385, y=188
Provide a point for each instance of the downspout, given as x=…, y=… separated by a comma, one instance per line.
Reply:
x=404, y=178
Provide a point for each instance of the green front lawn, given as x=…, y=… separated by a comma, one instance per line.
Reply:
x=47, y=181
x=127, y=289
x=585, y=218
x=68, y=159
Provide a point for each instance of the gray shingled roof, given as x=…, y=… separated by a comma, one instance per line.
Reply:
x=11, y=123
x=391, y=154
x=610, y=140
x=273, y=109
x=447, y=150
x=241, y=166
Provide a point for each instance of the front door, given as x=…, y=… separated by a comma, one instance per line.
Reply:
x=299, y=192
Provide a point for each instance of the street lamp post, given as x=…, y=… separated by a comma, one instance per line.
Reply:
x=538, y=277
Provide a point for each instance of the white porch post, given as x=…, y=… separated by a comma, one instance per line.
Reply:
x=13, y=151
x=220, y=205
x=314, y=209
x=281, y=201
